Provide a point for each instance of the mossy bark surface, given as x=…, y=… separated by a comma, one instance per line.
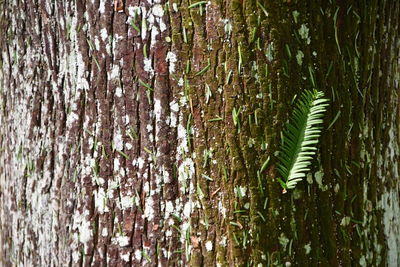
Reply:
x=132, y=133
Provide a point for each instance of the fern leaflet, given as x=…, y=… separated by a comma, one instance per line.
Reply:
x=300, y=138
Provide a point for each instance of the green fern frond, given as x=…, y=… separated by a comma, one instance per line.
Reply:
x=300, y=138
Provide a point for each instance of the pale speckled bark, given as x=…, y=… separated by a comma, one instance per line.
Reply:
x=120, y=144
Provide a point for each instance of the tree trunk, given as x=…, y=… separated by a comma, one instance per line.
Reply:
x=133, y=133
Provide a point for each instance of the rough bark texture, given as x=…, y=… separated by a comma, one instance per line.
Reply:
x=133, y=133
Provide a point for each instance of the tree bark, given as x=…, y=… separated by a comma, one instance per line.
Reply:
x=133, y=133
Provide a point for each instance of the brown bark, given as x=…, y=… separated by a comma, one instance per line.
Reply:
x=133, y=132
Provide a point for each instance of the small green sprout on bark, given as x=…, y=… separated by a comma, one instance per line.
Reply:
x=300, y=138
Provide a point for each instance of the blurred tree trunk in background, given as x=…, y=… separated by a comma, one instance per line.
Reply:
x=133, y=132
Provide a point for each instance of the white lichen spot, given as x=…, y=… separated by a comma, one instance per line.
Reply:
x=180, y=82
x=303, y=31
x=125, y=257
x=138, y=255
x=122, y=240
x=158, y=10
x=133, y=11
x=185, y=170
x=154, y=33
x=104, y=232
x=243, y=191
x=345, y=221
x=336, y=188
x=175, y=7
x=223, y=241
x=149, y=128
x=146, y=187
x=102, y=6
x=221, y=209
x=112, y=185
x=251, y=142
x=318, y=178
x=270, y=52
x=307, y=248
x=310, y=178
x=209, y=246
x=76, y=255
x=227, y=26
x=114, y=72
x=72, y=117
x=118, y=92
x=100, y=200
x=363, y=261
x=171, y=59
x=174, y=106
x=157, y=109
x=295, y=15
x=103, y=34
x=299, y=57
x=85, y=233
x=169, y=208
x=148, y=66
x=168, y=233
x=118, y=142
x=187, y=209
x=185, y=226
x=140, y=162
x=128, y=146
x=127, y=202
x=97, y=43
x=149, y=209
x=81, y=83
x=163, y=27
x=390, y=204
x=166, y=177
x=144, y=25
x=283, y=240
x=117, y=38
